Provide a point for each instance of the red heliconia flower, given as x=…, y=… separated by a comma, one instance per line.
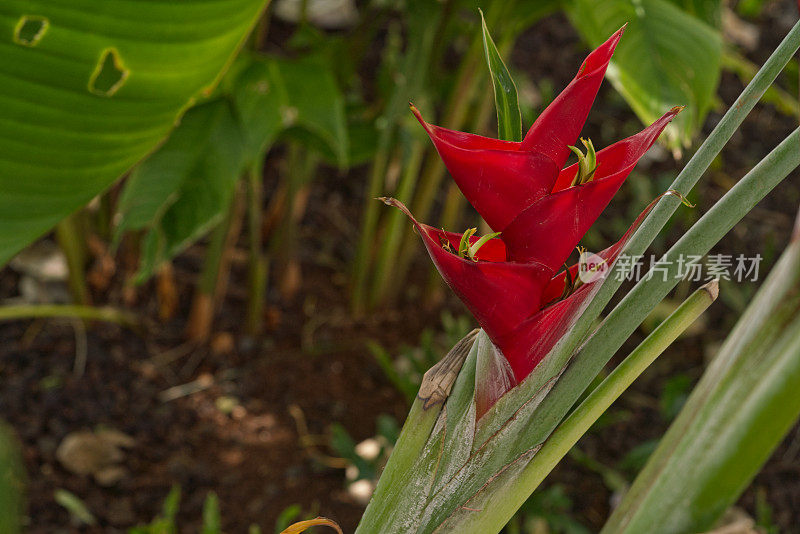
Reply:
x=502, y=178
x=513, y=286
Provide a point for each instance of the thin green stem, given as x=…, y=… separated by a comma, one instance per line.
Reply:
x=744, y=69
x=383, y=281
x=70, y=311
x=213, y=257
x=69, y=235
x=257, y=265
x=600, y=399
x=409, y=84
x=212, y=286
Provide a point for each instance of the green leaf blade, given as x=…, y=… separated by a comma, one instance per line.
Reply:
x=509, y=116
x=63, y=140
x=745, y=403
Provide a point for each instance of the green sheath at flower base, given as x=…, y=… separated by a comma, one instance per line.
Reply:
x=412, y=460
x=491, y=506
x=587, y=163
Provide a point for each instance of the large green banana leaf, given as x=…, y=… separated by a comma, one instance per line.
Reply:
x=89, y=87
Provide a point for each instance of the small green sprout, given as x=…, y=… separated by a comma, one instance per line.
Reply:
x=587, y=163
x=465, y=250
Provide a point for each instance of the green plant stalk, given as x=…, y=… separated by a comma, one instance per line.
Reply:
x=211, y=266
x=101, y=223
x=71, y=311
x=210, y=287
x=257, y=266
x=382, y=279
x=742, y=407
x=744, y=69
x=69, y=235
x=504, y=495
x=647, y=232
x=302, y=164
x=414, y=73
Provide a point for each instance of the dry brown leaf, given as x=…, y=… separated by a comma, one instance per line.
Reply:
x=302, y=526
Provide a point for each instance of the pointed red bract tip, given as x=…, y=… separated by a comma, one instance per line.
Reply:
x=496, y=177
x=601, y=56
x=561, y=123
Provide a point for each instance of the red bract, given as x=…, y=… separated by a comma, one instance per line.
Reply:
x=513, y=287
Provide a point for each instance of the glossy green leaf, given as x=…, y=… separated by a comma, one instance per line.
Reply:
x=743, y=406
x=666, y=58
x=298, y=96
x=89, y=88
x=509, y=117
x=709, y=11
x=185, y=188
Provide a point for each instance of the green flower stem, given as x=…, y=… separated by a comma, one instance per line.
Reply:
x=496, y=503
x=600, y=399
x=18, y=312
